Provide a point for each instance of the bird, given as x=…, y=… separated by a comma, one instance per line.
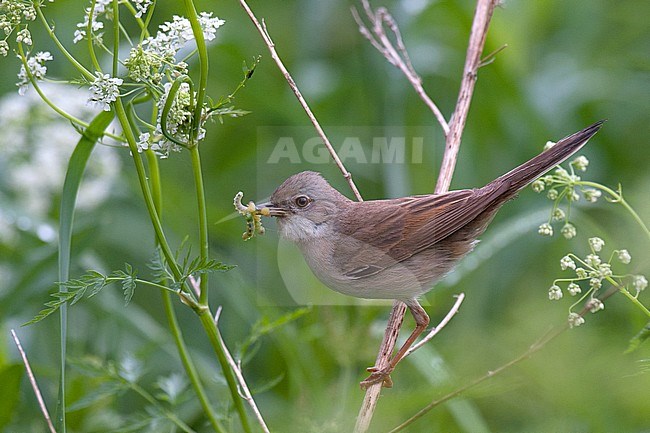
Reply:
x=397, y=248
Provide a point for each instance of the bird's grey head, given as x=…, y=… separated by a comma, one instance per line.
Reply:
x=305, y=203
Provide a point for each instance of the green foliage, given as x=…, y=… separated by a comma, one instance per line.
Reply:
x=114, y=380
x=189, y=266
x=89, y=284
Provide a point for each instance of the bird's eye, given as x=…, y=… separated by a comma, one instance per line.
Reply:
x=302, y=201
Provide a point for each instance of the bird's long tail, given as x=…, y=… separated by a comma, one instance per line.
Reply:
x=527, y=172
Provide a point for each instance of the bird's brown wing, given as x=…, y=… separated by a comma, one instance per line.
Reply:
x=378, y=234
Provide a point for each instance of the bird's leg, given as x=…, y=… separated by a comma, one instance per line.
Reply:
x=383, y=375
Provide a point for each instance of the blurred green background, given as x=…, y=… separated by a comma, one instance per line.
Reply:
x=566, y=65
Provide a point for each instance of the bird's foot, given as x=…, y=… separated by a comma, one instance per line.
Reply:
x=378, y=375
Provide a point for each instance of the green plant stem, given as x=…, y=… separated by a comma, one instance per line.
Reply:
x=116, y=36
x=531, y=350
x=628, y=295
x=204, y=314
x=154, y=179
x=86, y=73
x=202, y=310
x=169, y=256
x=143, y=25
x=216, y=340
x=618, y=198
x=190, y=10
x=203, y=220
x=190, y=368
x=89, y=33
x=146, y=191
x=535, y=347
x=634, y=300
x=188, y=364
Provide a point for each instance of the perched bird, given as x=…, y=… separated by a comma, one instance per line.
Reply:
x=397, y=248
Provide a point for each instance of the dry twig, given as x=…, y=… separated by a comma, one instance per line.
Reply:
x=32, y=380
x=244, y=390
x=396, y=54
x=261, y=28
x=459, y=300
x=482, y=16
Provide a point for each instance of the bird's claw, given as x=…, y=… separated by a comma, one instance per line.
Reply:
x=378, y=375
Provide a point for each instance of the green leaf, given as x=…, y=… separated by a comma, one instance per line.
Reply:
x=128, y=287
x=52, y=306
x=10, y=376
x=74, y=173
x=89, y=284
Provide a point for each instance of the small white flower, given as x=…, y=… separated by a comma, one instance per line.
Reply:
x=141, y=6
x=581, y=163
x=581, y=273
x=4, y=48
x=639, y=282
x=538, y=185
x=555, y=293
x=568, y=231
x=100, y=8
x=573, y=289
x=595, y=305
x=624, y=257
x=143, y=142
x=30, y=13
x=37, y=68
x=567, y=262
x=552, y=194
x=593, y=260
x=575, y=320
x=595, y=283
x=24, y=36
x=545, y=230
x=604, y=270
x=78, y=35
x=558, y=214
x=209, y=25
x=549, y=144
x=562, y=173
x=596, y=244
x=104, y=90
x=591, y=195
x=573, y=196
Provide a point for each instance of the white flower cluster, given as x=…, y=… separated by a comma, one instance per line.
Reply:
x=151, y=62
x=37, y=69
x=104, y=90
x=141, y=6
x=13, y=15
x=100, y=8
x=563, y=184
x=594, y=271
x=172, y=36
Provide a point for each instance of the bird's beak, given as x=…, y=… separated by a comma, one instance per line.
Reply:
x=271, y=209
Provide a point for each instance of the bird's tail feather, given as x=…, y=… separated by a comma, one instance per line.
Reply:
x=519, y=177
